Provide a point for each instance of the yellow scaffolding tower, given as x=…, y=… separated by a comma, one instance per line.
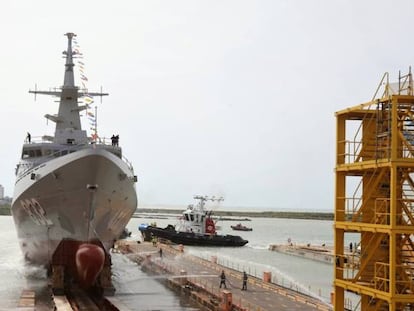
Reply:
x=374, y=201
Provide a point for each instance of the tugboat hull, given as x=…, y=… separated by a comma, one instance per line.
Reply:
x=190, y=238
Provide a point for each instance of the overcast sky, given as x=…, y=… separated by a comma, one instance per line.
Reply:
x=233, y=98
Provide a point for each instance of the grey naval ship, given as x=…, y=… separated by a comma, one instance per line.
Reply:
x=73, y=195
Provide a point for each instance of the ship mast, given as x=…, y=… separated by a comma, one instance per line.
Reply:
x=69, y=80
x=68, y=125
x=68, y=115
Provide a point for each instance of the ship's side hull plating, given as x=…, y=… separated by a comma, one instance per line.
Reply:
x=86, y=195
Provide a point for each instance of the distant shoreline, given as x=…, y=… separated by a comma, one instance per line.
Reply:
x=264, y=214
x=5, y=211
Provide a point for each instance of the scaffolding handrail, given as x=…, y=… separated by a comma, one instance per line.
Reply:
x=385, y=94
x=407, y=79
x=357, y=133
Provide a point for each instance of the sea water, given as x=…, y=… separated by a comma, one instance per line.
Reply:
x=140, y=292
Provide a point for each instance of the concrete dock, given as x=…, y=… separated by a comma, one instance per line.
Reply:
x=323, y=253
x=199, y=280
x=319, y=253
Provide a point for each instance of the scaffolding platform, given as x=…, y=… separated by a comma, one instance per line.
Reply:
x=374, y=199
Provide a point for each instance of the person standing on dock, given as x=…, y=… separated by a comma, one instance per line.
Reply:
x=223, y=279
x=160, y=252
x=244, y=287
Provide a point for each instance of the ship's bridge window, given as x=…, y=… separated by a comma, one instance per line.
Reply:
x=186, y=217
x=47, y=152
x=192, y=217
x=25, y=154
x=31, y=153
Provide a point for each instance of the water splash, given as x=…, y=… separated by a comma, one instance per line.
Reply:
x=257, y=269
x=168, y=277
x=142, y=292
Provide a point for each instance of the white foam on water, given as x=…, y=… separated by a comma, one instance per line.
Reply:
x=140, y=291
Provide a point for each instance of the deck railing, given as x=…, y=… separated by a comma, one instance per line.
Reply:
x=103, y=143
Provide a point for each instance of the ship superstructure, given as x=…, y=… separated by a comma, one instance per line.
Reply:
x=196, y=218
x=70, y=187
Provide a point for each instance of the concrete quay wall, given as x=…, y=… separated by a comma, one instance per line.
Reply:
x=321, y=253
x=198, y=280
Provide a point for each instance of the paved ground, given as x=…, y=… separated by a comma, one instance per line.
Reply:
x=260, y=295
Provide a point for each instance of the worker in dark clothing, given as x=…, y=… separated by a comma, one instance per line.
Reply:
x=244, y=287
x=223, y=279
x=160, y=252
x=29, y=137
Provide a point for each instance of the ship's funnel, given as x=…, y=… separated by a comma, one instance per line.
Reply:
x=90, y=260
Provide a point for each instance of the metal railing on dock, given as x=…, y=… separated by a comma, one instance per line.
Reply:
x=205, y=289
x=257, y=272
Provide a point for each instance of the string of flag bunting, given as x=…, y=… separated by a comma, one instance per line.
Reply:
x=87, y=100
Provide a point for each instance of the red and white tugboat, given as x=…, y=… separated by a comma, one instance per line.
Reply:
x=196, y=227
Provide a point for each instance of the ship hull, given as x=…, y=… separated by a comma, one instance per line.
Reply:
x=83, y=196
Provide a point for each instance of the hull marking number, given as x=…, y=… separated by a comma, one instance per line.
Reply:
x=35, y=211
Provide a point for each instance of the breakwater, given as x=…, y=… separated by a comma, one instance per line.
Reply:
x=263, y=214
x=319, y=253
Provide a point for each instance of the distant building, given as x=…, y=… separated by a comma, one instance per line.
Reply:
x=1, y=192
